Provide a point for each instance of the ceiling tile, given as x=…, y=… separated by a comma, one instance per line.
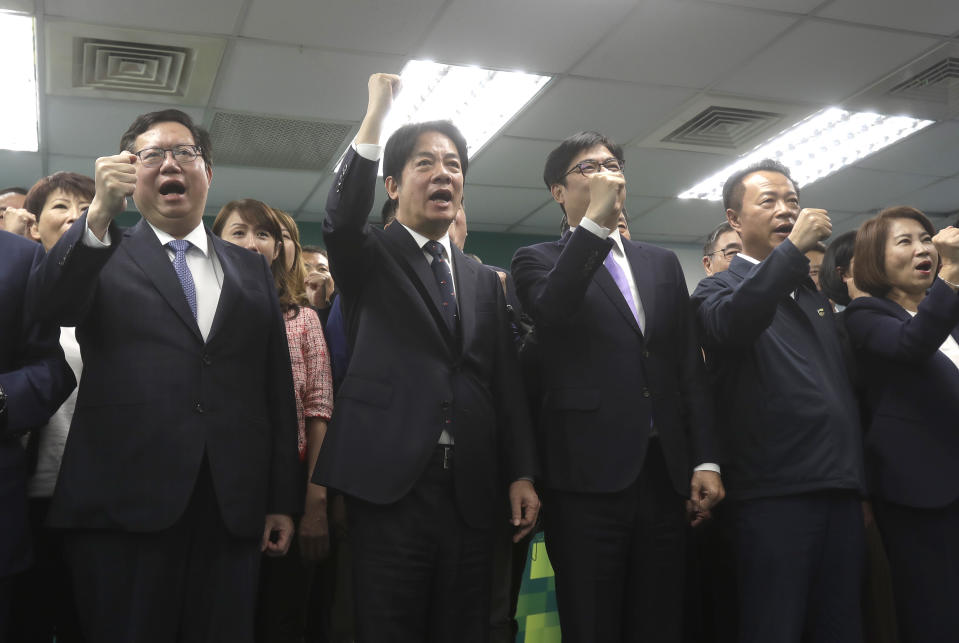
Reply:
x=931, y=151
x=93, y=127
x=791, y=6
x=621, y=111
x=288, y=81
x=209, y=16
x=930, y=16
x=283, y=189
x=317, y=202
x=500, y=205
x=679, y=43
x=666, y=173
x=849, y=224
x=514, y=162
x=390, y=27
x=824, y=63
x=679, y=217
x=549, y=231
x=20, y=169
x=857, y=190
x=534, y=35
x=942, y=196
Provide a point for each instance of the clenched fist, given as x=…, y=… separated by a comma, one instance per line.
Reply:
x=116, y=179
x=20, y=222
x=383, y=89
x=607, y=191
x=811, y=227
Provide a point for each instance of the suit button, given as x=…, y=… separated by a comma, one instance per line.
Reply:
x=645, y=353
x=445, y=404
x=645, y=392
x=198, y=408
x=206, y=359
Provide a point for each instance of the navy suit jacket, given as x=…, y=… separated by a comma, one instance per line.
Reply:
x=603, y=381
x=36, y=379
x=154, y=397
x=785, y=407
x=912, y=444
x=409, y=377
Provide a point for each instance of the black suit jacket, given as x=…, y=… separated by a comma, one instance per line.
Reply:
x=154, y=397
x=409, y=376
x=785, y=407
x=602, y=381
x=912, y=444
x=36, y=380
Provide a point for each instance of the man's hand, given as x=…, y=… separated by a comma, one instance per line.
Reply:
x=607, y=191
x=318, y=289
x=115, y=178
x=282, y=526
x=314, y=526
x=705, y=492
x=383, y=89
x=525, y=504
x=811, y=227
x=695, y=517
x=20, y=222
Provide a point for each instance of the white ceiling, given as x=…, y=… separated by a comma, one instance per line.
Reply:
x=627, y=68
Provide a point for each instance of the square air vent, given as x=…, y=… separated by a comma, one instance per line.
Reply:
x=938, y=83
x=97, y=61
x=262, y=141
x=723, y=127
x=133, y=67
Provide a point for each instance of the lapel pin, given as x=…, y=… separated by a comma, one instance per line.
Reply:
x=822, y=312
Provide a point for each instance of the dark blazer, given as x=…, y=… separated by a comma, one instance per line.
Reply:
x=603, y=381
x=154, y=397
x=785, y=407
x=912, y=444
x=409, y=377
x=36, y=380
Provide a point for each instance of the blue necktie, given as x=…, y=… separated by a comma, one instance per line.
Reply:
x=180, y=246
x=444, y=279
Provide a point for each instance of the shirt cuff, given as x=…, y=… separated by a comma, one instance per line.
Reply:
x=90, y=240
x=369, y=151
x=708, y=466
x=595, y=228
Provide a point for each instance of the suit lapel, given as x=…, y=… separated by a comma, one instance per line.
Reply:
x=645, y=278
x=608, y=285
x=145, y=250
x=230, y=291
x=465, y=293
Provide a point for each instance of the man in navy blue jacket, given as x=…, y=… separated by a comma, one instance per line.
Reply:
x=788, y=419
x=34, y=381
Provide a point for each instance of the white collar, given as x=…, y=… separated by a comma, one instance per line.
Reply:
x=197, y=237
x=421, y=240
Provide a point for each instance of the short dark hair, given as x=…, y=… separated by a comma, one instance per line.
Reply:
x=388, y=213
x=733, y=188
x=834, y=264
x=70, y=182
x=15, y=190
x=144, y=122
x=870, y=249
x=557, y=163
x=316, y=250
x=710, y=246
x=399, y=147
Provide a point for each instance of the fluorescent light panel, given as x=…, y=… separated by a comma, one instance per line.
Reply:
x=816, y=147
x=478, y=101
x=18, y=77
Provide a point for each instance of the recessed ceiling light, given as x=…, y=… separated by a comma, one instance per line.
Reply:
x=18, y=77
x=479, y=101
x=816, y=147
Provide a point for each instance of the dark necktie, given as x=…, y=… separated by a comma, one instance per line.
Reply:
x=180, y=246
x=444, y=279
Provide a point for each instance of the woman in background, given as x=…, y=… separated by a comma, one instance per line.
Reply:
x=285, y=582
x=904, y=336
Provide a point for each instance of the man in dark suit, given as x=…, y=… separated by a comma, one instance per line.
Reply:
x=34, y=381
x=624, y=415
x=181, y=464
x=789, y=420
x=432, y=403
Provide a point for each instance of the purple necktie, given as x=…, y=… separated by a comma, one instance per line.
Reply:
x=444, y=279
x=620, y=278
x=180, y=247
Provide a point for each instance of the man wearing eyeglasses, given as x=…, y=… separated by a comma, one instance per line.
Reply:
x=722, y=244
x=625, y=425
x=181, y=465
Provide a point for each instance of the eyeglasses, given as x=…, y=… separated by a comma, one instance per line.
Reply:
x=728, y=252
x=591, y=166
x=182, y=154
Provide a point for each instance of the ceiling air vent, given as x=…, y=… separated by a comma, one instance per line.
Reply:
x=723, y=127
x=262, y=141
x=132, y=67
x=939, y=83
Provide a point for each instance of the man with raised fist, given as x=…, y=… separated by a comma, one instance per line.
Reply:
x=624, y=415
x=431, y=413
x=181, y=465
x=790, y=427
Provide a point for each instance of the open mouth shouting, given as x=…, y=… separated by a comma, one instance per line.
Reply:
x=783, y=229
x=442, y=198
x=924, y=267
x=172, y=189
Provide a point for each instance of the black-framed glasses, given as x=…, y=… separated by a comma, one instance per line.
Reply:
x=591, y=166
x=728, y=252
x=182, y=154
